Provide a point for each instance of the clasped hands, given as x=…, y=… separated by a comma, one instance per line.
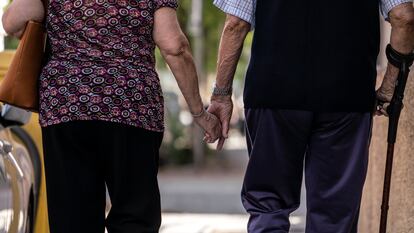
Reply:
x=216, y=120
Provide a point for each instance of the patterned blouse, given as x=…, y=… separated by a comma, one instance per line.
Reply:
x=102, y=63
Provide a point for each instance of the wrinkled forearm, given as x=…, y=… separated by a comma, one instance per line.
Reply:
x=402, y=22
x=231, y=46
x=182, y=65
x=402, y=40
x=176, y=51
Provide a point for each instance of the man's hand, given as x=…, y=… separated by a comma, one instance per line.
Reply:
x=231, y=46
x=222, y=107
x=402, y=39
x=386, y=91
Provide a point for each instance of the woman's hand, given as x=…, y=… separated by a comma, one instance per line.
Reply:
x=19, y=13
x=211, y=126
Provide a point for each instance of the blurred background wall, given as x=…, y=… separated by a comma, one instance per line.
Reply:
x=401, y=211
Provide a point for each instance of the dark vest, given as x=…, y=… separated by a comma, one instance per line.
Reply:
x=315, y=55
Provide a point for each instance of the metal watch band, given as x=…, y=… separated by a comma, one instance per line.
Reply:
x=222, y=91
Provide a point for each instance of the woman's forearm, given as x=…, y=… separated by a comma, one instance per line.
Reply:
x=181, y=63
x=176, y=51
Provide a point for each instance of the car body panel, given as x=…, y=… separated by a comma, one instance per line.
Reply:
x=18, y=174
x=6, y=205
x=33, y=129
x=42, y=222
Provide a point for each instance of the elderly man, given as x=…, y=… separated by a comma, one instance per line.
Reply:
x=309, y=100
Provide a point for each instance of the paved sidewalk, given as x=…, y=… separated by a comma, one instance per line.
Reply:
x=188, y=192
x=213, y=223
x=208, y=202
x=203, y=223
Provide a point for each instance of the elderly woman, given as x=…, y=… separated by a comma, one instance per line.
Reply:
x=101, y=107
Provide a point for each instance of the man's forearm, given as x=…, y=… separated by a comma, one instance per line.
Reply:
x=402, y=40
x=402, y=22
x=231, y=46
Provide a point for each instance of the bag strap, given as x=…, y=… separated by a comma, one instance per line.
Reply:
x=47, y=48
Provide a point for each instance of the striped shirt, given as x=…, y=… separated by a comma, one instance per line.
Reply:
x=245, y=9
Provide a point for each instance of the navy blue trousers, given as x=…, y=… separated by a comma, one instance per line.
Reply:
x=331, y=148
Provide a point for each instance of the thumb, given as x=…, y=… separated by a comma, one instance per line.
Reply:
x=220, y=143
x=212, y=109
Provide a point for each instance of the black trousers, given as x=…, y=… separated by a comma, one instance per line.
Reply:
x=81, y=157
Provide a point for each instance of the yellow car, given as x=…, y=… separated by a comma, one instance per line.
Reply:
x=33, y=129
x=19, y=173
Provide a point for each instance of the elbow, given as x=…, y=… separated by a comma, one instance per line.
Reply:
x=403, y=17
x=9, y=27
x=6, y=26
x=176, y=47
x=236, y=26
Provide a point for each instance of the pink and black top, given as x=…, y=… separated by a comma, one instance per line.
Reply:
x=102, y=63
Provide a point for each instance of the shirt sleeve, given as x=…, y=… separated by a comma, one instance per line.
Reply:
x=165, y=3
x=243, y=9
x=388, y=5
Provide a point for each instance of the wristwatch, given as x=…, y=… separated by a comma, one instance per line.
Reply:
x=222, y=91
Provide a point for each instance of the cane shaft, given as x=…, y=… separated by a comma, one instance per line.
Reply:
x=403, y=62
x=396, y=105
x=387, y=188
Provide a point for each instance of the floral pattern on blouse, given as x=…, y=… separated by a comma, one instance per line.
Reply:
x=102, y=63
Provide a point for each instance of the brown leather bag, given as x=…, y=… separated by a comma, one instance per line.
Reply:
x=20, y=84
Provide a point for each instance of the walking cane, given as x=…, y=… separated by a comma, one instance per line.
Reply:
x=403, y=62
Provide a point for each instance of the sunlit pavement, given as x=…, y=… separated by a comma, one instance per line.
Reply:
x=203, y=223
x=209, y=201
x=213, y=223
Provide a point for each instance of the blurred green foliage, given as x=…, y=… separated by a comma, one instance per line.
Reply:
x=175, y=149
x=10, y=42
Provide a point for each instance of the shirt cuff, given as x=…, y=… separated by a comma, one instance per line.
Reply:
x=228, y=8
x=387, y=6
x=166, y=3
